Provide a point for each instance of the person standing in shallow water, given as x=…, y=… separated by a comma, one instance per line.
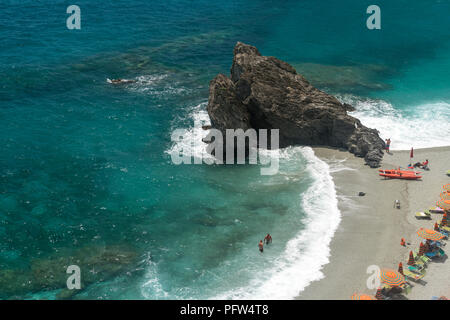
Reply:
x=261, y=246
x=268, y=239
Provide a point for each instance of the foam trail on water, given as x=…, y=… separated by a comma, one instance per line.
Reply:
x=427, y=127
x=152, y=284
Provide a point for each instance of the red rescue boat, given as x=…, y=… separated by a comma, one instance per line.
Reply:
x=400, y=176
x=396, y=171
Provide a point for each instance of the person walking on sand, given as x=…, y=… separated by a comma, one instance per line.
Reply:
x=268, y=239
x=261, y=246
x=388, y=144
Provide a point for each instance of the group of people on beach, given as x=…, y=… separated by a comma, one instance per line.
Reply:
x=423, y=165
x=267, y=240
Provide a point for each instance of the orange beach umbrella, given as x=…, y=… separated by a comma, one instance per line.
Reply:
x=430, y=234
x=444, y=204
x=391, y=277
x=400, y=268
x=362, y=296
x=445, y=195
x=379, y=294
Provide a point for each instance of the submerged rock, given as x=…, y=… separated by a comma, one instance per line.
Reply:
x=97, y=264
x=267, y=93
x=347, y=78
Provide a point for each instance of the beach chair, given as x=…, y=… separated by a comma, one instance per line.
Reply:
x=444, y=232
x=436, y=210
x=406, y=288
x=417, y=268
x=436, y=253
x=413, y=276
x=423, y=215
x=421, y=260
x=438, y=244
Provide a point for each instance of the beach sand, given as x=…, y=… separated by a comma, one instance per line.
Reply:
x=371, y=228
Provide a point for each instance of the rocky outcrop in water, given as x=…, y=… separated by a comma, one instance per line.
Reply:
x=267, y=93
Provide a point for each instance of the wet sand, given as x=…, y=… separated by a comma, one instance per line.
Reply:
x=371, y=228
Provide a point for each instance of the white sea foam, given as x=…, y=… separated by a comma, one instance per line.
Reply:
x=152, y=288
x=192, y=143
x=304, y=255
x=158, y=85
x=427, y=126
x=338, y=165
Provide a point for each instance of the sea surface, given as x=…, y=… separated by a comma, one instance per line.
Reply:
x=86, y=176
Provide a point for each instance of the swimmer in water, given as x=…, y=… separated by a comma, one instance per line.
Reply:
x=120, y=81
x=268, y=239
x=261, y=246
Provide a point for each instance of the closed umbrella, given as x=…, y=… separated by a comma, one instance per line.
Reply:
x=400, y=268
x=421, y=249
x=444, y=220
x=411, y=261
x=379, y=294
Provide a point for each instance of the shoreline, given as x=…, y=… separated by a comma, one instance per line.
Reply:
x=371, y=229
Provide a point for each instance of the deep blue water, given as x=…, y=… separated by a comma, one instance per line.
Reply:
x=84, y=167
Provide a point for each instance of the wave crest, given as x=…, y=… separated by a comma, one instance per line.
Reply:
x=426, y=127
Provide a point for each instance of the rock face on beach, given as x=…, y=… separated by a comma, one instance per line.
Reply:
x=267, y=93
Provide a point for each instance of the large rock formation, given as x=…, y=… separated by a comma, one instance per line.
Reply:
x=267, y=93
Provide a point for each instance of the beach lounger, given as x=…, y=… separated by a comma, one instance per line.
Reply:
x=421, y=260
x=435, y=254
x=438, y=244
x=419, y=269
x=436, y=210
x=422, y=215
x=413, y=276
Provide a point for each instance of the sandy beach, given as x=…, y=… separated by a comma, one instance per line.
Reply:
x=371, y=228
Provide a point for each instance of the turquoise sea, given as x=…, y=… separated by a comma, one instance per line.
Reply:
x=85, y=172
